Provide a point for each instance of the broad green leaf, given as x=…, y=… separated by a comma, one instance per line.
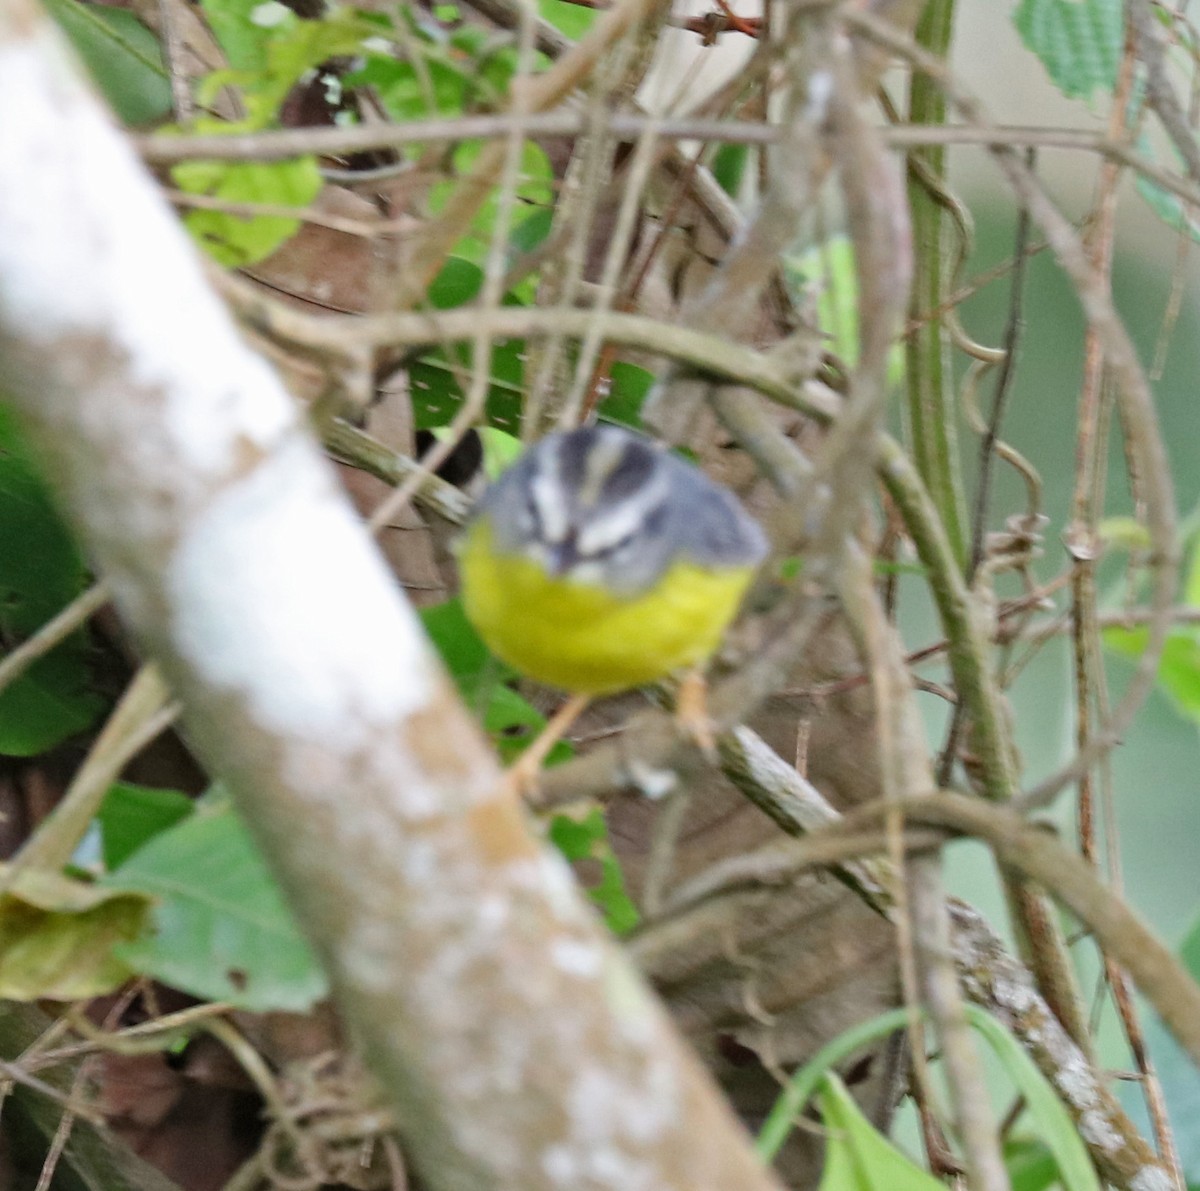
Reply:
x=131, y=816
x=437, y=386
x=221, y=929
x=584, y=838
x=1078, y=41
x=510, y=720
x=42, y=708
x=458, y=283
x=1127, y=533
x=41, y=571
x=408, y=92
x=243, y=28
x=572, y=19
x=1053, y=1122
x=58, y=935
x=829, y=269
x=236, y=240
x=122, y=56
x=1170, y=208
x=628, y=389
x=1030, y=1164
x=534, y=187
x=857, y=1156
x=1047, y=1111
x=462, y=652
x=500, y=451
x=1178, y=669
x=805, y=1082
x=531, y=232
x=1189, y=952
x=1191, y=583
x=513, y=724
x=729, y=166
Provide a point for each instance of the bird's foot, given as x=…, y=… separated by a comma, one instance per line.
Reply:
x=691, y=713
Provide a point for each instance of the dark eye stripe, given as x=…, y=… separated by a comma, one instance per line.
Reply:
x=573, y=452
x=630, y=475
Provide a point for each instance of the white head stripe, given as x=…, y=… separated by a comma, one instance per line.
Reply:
x=551, y=503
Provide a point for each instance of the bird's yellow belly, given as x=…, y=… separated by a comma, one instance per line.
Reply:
x=585, y=639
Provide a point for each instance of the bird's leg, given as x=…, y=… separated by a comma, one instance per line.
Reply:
x=521, y=776
x=691, y=712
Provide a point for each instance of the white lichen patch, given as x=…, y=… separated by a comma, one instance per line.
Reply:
x=279, y=596
x=89, y=247
x=604, y=1108
x=1075, y=1080
x=1097, y=1130
x=1151, y=1178
x=577, y=957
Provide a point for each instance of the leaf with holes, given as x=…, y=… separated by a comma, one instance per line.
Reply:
x=221, y=929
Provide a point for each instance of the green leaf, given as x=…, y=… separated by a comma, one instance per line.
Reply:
x=1170, y=208
x=857, y=1156
x=804, y=1083
x=58, y=935
x=629, y=387
x=1079, y=42
x=513, y=723
x=458, y=283
x=1191, y=583
x=409, y=93
x=1189, y=952
x=830, y=270
x=531, y=232
x=41, y=709
x=222, y=930
x=584, y=840
x=1126, y=533
x=1030, y=1164
x=462, y=651
x=728, y=167
x=243, y=28
x=41, y=571
x=236, y=240
x=1052, y=1119
x=131, y=816
x=500, y=451
x=437, y=395
x=534, y=186
x=122, y=56
x=1054, y=1124
x=509, y=719
x=1179, y=668
x=572, y=19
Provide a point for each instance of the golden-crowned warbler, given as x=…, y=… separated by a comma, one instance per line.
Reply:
x=600, y=562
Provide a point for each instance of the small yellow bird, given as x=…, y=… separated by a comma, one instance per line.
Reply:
x=600, y=562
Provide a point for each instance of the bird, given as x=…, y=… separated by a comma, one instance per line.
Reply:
x=600, y=562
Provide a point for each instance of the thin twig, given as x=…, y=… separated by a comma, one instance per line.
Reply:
x=52, y=633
